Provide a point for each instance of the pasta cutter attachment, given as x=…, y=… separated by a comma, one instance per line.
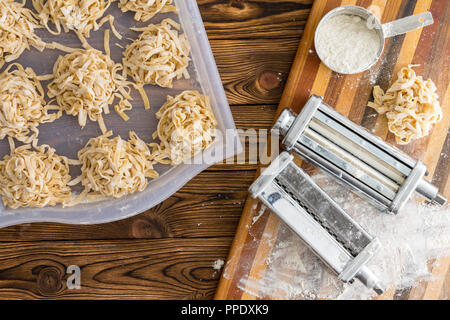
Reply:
x=326, y=228
x=354, y=156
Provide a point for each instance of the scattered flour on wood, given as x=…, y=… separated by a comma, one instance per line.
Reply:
x=218, y=264
x=410, y=240
x=260, y=213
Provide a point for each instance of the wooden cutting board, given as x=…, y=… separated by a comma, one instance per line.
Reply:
x=428, y=47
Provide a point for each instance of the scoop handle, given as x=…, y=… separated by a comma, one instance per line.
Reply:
x=407, y=24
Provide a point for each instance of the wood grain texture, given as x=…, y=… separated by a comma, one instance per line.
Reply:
x=121, y=269
x=254, y=71
x=428, y=47
x=232, y=19
x=168, y=251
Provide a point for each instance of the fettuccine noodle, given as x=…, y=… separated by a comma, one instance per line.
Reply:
x=85, y=82
x=78, y=15
x=114, y=167
x=411, y=106
x=158, y=56
x=186, y=127
x=17, y=26
x=146, y=9
x=34, y=178
x=22, y=104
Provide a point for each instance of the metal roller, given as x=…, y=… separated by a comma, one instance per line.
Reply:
x=324, y=226
x=354, y=156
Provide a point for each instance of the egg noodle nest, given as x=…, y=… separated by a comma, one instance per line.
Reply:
x=186, y=126
x=85, y=82
x=158, y=56
x=17, y=26
x=146, y=9
x=34, y=176
x=411, y=106
x=113, y=167
x=79, y=16
x=22, y=104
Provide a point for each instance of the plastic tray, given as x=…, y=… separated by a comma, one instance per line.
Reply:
x=67, y=137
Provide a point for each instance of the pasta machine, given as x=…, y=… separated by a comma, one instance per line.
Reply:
x=354, y=156
x=327, y=229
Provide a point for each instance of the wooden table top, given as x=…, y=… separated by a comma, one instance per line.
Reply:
x=168, y=252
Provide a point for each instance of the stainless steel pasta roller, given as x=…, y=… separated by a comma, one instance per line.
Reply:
x=354, y=156
x=327, y=229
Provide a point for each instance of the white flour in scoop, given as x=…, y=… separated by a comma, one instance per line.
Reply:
x=346, y=44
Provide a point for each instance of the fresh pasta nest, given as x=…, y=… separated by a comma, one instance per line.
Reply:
x=34, y=178
x=411, y=106
x=186, y=126
x=17, y=26
x=146, y=9
x=78, y=15
x=158, y=56
x=85, y=82
x=115, y=167
x=22, y=104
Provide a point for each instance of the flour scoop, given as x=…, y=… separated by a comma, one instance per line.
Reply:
x=383, y=31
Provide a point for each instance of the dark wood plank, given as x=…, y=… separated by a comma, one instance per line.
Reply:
x=254, y=71
x=225, y=19
x=121, y=269
x=210, y=205
x=254, y=117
